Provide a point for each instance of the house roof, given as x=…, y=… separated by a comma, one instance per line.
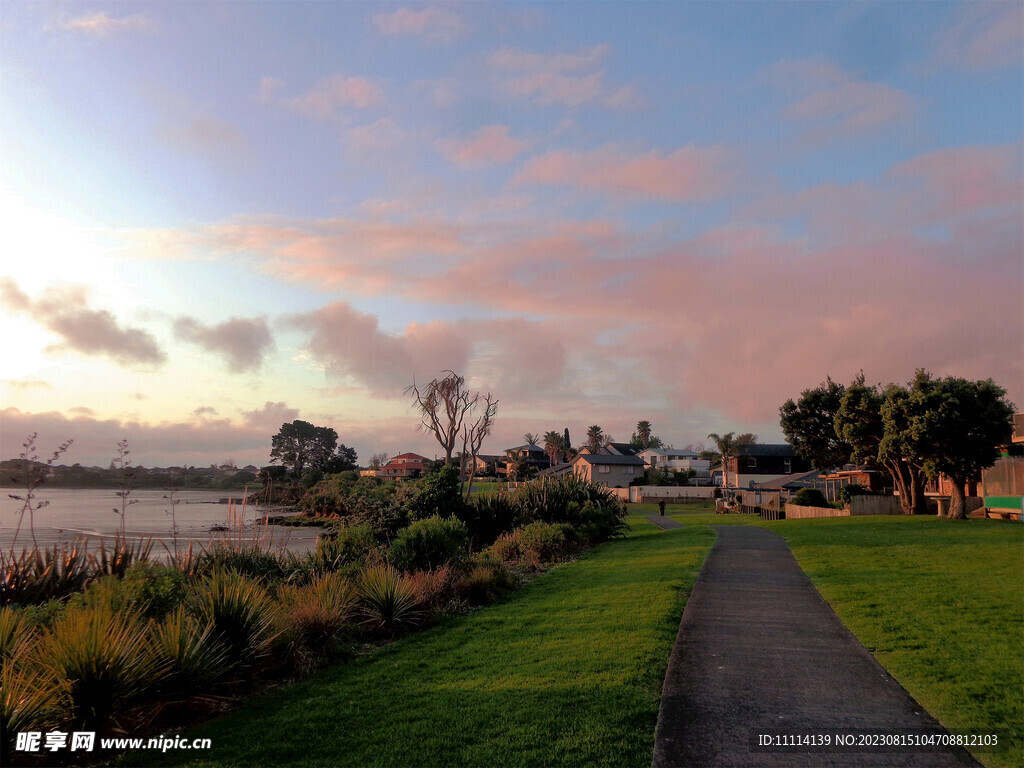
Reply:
x=784, y=450
x=414, y=456
x=526, y=447
x=604, y=458
x=681, y=452
x=624, y=449
x=790, y=482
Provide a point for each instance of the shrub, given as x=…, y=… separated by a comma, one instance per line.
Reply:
x=254, y=561
x=193, y=657
x=572, y=500
x=506, y=548
x=430, y=543
x=387, y=600
x=240, y=611
x=314, y=618
x=37, y=576
x=541, y=542
x=101, y=662
x=486, y=580
x=437, y=591
x=347, y=544
x=14, y=634
x=29, y=701
x=488, y=516
x=810, y=497
x=122, y=554
x=440, y=495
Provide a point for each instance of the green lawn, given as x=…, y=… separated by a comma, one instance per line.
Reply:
x=939, y=603
x=567, y=671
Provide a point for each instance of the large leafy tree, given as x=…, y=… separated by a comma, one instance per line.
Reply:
x=344, y=459
x=956, y=427
x=300, y=446
x=859, y=421
x=729, y=446
x=809, y=426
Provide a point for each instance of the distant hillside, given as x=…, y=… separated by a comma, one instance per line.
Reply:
x=13, y=472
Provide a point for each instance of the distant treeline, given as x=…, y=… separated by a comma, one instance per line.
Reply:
x=13, y=474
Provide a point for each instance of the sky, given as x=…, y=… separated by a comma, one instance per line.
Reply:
x=219, y=217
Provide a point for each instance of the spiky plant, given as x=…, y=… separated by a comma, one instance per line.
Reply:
x=101, y=660
x=35, y=575
x=387, y=600
x=195, y=658
x=239, y=610
x=14, y=635
x=29, y=701
x=121, y=555
x=314, y=618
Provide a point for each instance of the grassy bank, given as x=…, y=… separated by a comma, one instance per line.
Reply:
x=939, y=603
x=567, y=671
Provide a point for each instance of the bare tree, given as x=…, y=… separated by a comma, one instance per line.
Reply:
x=474, y=432
x=378, y=460
x=443, y=405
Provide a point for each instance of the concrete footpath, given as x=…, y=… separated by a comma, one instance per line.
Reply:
x=760, y=653
x=665, y=523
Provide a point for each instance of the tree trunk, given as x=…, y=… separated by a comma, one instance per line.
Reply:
x=919, y=502
x=957, y=502
x=896, y=470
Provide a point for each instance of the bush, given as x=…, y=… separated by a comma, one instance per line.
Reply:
x=506, y=548
x=810, y=497
x=387, y=600
x=347, y=544
x=101, y=663
x=29, y=701
x=541, y=542
x=253, y=561
x=37, y=576
x=437, y=591
x=488, y=516
x=313, y=619
x=440, y=495
x=430, y=543
x=14, y=635
x=240, y=611
x=486, y=580
x=194, y=658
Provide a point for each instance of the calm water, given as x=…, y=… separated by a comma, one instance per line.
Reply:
x=88, y=514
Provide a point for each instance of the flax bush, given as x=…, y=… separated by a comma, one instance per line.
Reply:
x=194, y=657
x=386, y=599
x=315, y=619
x=101, y=662
x=240, y=611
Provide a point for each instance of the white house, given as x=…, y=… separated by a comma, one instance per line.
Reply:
x=674, y=459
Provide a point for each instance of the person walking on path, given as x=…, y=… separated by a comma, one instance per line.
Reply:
x=661, y=507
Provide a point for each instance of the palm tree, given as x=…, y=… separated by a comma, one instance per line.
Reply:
x=643, y=433
x=530, y=438
x=595, y=438
x=729, y=446
x=552, y=446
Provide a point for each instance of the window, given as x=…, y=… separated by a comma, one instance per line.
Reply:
x=787, y=464
x=603, y=469
x=628, y=470
x=751, y=462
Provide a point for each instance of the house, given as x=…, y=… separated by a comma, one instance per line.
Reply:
x=759, y=463
x=676, y=460
x=788, y=485
x=486, y=463
x=607, y=469
x=872, y=479
x=532, y=456
x=401, y=467
x=612, y=449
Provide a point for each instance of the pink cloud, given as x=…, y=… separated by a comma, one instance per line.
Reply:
x=836, y=103
x=432, y=24
x=984, y=36
x=688, y=174
x=328, y=96
x=242, y=341
x=351, y=345
x=100, y=24
x=570, y=79
x=65, y=312
x=490, y=145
